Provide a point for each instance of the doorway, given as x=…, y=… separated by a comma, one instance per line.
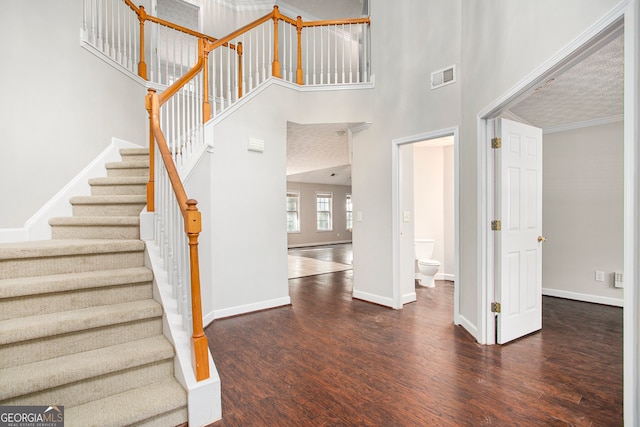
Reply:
x=403, y=212
x=592, y=41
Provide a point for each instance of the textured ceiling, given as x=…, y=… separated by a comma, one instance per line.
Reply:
x=590, y=91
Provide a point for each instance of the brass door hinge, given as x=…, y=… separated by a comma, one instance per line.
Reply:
x=496, y=225
x=495, y=307
x=496, y=142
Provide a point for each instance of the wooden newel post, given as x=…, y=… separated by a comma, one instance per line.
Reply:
x=199, y=342
x=275, y=67
x=299, y=79
x=151, y=205
x=142, y=66
x=239, y=50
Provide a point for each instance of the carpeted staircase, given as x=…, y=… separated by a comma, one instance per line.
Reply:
x=78, y=324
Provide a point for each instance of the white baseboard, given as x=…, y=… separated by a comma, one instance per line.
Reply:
x=247, y=308
x=376, y=299
x=410, y=297
x=468, y=326
x=37, y=227
x=445, y=276
x=616, y=302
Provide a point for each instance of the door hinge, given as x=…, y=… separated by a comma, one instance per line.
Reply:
x=496, y=225
x=495, y=307
x=496, y=142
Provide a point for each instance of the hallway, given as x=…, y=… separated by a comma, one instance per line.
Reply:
x=331, y=360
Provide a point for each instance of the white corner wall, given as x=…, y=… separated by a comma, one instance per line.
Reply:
x=61, y=106
x=583, y=213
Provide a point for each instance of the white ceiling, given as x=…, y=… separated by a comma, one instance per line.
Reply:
x=590, y=92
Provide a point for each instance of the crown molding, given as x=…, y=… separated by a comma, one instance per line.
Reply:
x=584, y=124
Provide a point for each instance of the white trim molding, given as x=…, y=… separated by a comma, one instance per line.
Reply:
x=577, y=296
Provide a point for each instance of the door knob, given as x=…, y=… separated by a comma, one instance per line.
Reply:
x=542, y=239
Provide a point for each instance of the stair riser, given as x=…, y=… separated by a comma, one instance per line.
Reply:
x=95, y=232
x=61, y=345
x=26, y=267
x=90, y=389
x=120, y=209
x=127, y=172
x=32, y=305
x=120, y=190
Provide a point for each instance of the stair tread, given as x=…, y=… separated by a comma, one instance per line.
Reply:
x=131, y=406
x=108, y=199
x=95, y=220
x=36, y=376
x=45, y=325
x=128, y=164
x=134, y=151
x=119, y=180
x=52, y=248
x=23, y=286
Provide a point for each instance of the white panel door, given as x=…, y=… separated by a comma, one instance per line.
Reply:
x=519, y=250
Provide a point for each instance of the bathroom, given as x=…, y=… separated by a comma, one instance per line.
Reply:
x=434, y=217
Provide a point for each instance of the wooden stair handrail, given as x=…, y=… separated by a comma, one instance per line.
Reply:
x=193, y=227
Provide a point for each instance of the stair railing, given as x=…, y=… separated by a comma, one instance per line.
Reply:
x=174, y=211
x=313, y=53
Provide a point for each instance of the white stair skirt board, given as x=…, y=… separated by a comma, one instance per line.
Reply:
x=37, y=227
x=616, y=302
x=204, y=397
x=300, y=266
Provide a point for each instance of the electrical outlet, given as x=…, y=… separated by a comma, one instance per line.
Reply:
x=599, y=276
x=406, y=216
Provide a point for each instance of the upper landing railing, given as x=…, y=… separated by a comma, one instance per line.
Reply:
x=200, y=77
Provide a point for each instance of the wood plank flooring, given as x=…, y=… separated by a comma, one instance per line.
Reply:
x=330, y=360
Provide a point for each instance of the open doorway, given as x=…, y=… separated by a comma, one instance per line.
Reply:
x=414, y=217
x=526, y=104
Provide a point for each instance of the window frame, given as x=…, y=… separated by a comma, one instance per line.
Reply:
x=328, y=195
x=296, y=194
x=348, y=207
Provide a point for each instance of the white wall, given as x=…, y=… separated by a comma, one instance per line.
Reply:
x=244, y=241
x=433, y=202
x=583, y=212
x=60, y=105
x=405, y=50
x=309, y=235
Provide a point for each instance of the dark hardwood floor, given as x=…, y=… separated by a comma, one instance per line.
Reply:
x=330, y=360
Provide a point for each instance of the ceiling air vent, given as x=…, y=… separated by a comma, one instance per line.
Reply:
x=443, y=77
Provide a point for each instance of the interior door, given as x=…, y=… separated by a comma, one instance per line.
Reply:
x=519, y=242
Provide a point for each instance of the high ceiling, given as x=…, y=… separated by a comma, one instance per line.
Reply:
x=589, y=92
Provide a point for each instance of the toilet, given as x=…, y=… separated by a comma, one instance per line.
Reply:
x=426, y=268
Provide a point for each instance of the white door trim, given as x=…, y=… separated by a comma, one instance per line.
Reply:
x=626, y=17
x=396, y=214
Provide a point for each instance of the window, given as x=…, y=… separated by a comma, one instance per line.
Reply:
x=293, y=212
x=349, y=212
x=323, y=211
